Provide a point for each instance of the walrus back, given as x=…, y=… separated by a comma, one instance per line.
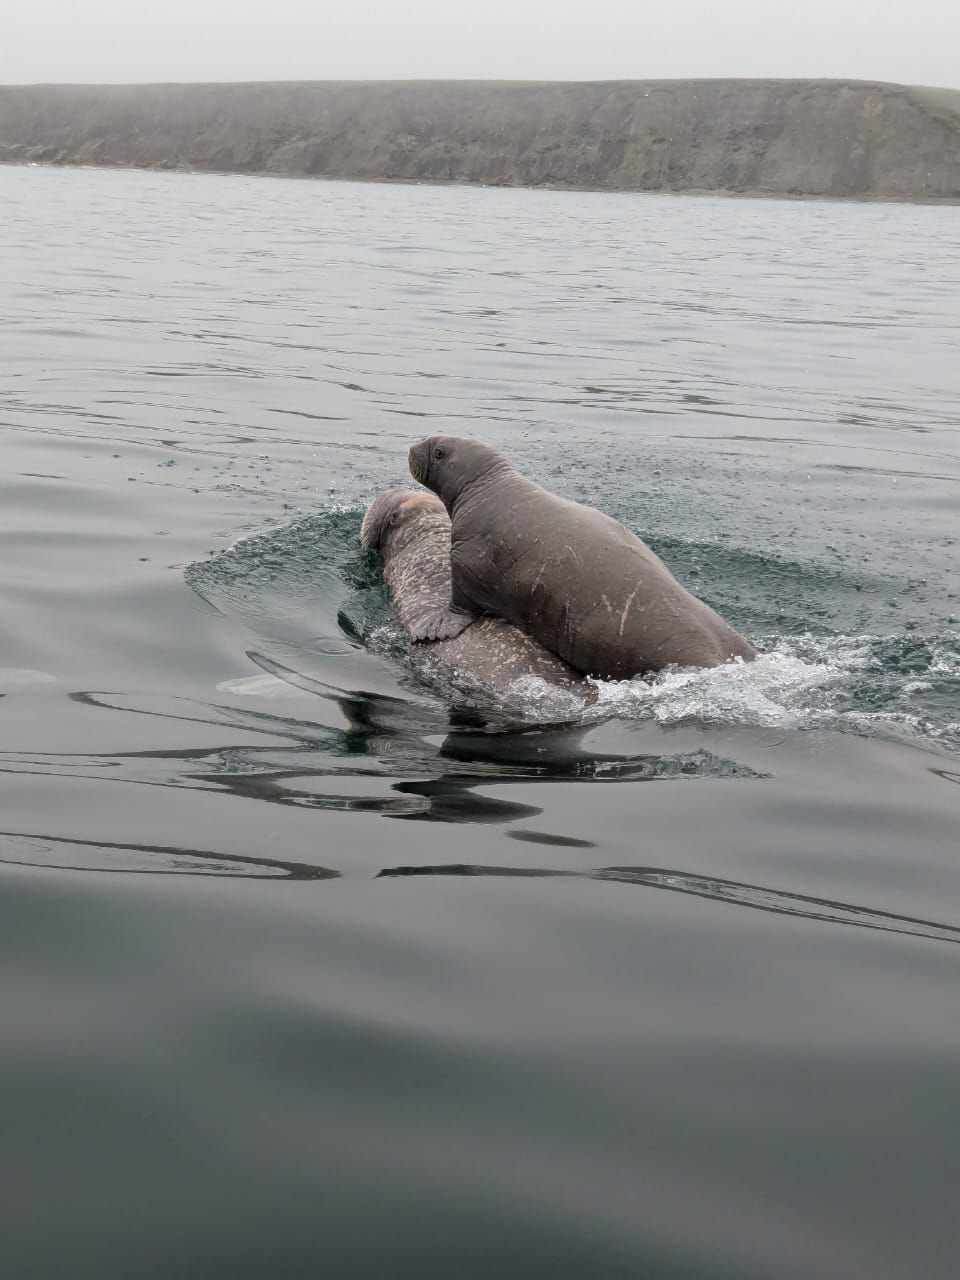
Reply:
x=583, y=585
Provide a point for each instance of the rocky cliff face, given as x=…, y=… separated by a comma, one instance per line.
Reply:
x=765, y=137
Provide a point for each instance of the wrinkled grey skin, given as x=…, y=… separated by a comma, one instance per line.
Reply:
x=576, y=580
x=411, y=532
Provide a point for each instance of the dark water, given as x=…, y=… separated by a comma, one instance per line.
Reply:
x=312, y=965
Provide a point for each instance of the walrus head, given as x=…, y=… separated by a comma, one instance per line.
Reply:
x=447, y=464
x=389, y=511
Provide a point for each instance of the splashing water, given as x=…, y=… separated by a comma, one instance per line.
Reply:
x=846, y=683
x=306, y=582
x=768, y=692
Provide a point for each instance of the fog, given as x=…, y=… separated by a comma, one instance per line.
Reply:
x=142, y=40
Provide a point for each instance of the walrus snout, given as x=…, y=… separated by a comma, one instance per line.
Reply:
x=419, y=461
x=377, y=516
x=390, y=511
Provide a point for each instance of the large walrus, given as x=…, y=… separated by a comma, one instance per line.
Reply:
x=411, y=532
x=574, y=579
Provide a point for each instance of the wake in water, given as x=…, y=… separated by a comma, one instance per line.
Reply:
x=891, y=686
x=305, y=584
x=879, y=686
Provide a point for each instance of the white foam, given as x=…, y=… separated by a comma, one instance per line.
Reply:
x=767, y=692
x=540, y=702
x=946, y=662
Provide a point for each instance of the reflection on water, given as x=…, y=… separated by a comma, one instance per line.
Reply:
x=60, y=854
x=383, y=737
x=753, y=896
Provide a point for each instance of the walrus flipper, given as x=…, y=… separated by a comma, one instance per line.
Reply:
x=439, y=623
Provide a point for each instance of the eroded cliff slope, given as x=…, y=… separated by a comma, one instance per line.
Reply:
x=772, y=137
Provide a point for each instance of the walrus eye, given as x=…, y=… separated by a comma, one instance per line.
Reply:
x=439, y=453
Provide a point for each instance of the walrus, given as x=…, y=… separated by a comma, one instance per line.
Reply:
x=576, y=580
x=411, y=532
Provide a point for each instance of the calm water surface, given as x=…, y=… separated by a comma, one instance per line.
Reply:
x=312, y=965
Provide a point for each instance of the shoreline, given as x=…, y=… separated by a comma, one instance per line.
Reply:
x=693, y=193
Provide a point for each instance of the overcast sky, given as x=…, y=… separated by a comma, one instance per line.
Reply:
x=911, y=41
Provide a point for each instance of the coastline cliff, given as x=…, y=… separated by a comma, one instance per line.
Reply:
x=848, y=139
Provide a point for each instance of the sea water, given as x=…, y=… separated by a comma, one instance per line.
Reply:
x=316, y=961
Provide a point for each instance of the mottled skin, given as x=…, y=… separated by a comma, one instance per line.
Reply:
x=411, y=532
x=574, y=579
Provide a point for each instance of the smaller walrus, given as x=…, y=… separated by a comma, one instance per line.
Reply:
x=573, y=578
x=411, y=533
